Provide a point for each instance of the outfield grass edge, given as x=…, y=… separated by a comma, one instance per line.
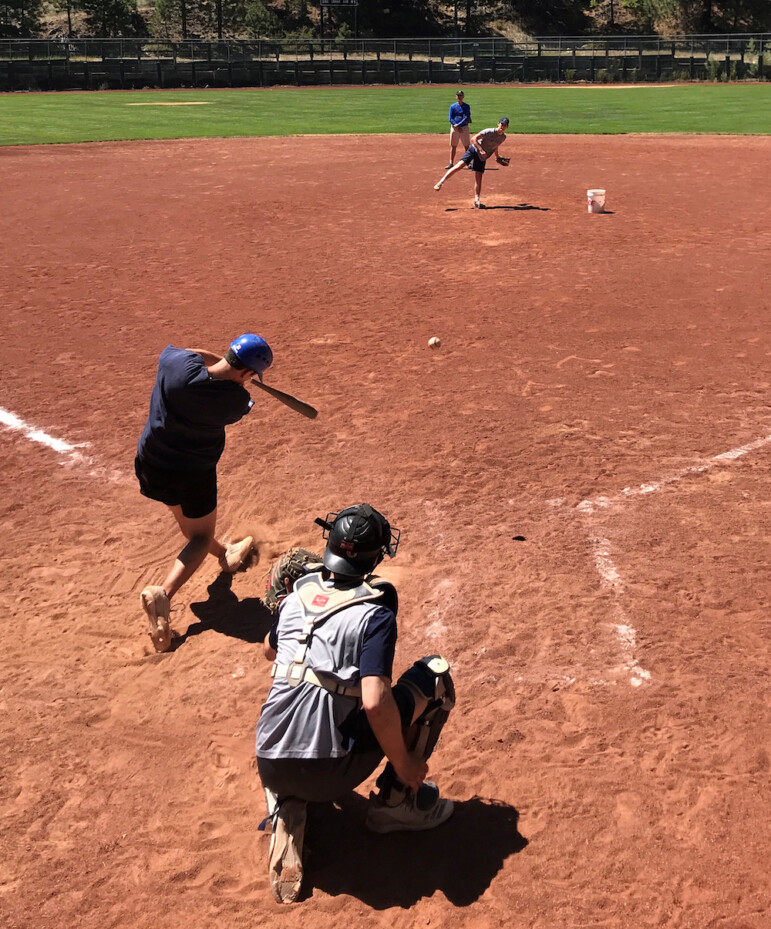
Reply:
x=98, y=116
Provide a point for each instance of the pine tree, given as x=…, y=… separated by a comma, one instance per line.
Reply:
x=109, y=17
x=21, y=17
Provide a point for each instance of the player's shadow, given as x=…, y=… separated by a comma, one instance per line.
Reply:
x=460, y=858
x=520, y=206
x=248, y=619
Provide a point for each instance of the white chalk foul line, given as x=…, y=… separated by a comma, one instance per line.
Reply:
x=606, y=566
x=600, y=503
x=71, y=454
x=626, y=635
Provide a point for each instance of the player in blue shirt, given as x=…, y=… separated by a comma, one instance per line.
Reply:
x=196, y=395
x=460, y=120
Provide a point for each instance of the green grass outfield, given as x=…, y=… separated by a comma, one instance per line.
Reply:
x=31, y=119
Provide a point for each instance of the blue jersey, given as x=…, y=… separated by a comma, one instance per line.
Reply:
x=460, y=115
x=185, y=428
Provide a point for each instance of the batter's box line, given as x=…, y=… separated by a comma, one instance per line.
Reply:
x=606, y=567
x=70, y=453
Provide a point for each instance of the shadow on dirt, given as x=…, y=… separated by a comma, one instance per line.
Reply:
x=248, y=619
x=519, y=206
x=460, y=858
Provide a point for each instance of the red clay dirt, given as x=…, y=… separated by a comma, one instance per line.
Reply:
x=580, y=474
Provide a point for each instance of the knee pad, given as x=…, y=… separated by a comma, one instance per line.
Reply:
x=431, y=676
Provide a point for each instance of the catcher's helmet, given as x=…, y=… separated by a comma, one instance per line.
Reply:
x=358, y=538
x=253, y=352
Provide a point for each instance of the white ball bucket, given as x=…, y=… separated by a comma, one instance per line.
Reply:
x=595, y=201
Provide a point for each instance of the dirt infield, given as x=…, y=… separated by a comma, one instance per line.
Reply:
x=580, y=474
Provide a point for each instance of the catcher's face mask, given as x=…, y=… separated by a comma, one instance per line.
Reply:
x=358, y=538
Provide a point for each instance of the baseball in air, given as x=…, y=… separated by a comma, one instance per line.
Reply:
x=433, y=342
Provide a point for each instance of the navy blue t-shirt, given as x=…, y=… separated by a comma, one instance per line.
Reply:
x=185, y=429
x=378, y=643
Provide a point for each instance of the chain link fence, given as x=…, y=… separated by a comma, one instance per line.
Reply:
x=101, y=64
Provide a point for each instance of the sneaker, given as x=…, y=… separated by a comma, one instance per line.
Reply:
x=424, y=810
x=448, y=166
x=157, y=608
x=438, y=186
x=286, y=850
x=237, y=555
x=478, y=205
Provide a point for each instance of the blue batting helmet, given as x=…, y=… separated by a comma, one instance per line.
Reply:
x=253, y=352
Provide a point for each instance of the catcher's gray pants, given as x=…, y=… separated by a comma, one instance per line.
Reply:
x=321, y=780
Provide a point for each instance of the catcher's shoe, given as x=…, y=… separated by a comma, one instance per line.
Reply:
x=157, y=608
x=416, y=812
x=286, y=850
x=438, y=186
x=237, y=555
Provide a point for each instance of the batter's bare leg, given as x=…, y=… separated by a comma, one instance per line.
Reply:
x=201, y=542
x=156, y=601
x=231, y=557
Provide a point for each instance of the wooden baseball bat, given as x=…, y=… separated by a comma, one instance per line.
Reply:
x=304, y=409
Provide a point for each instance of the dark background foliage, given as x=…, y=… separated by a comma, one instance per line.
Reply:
x=515, y=19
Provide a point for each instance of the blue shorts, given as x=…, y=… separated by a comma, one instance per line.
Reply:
x=472, y=158
x=194, y=491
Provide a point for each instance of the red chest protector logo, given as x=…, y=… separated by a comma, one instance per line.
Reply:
x=320, y=600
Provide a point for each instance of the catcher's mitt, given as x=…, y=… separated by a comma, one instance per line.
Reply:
x=503, y=160
x=291, y=565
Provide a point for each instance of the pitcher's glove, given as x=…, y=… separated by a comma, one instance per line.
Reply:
x=289, y=567
x=503, y=160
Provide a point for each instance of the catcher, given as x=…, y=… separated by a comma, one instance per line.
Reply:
x=484, y=144
x=332, y=712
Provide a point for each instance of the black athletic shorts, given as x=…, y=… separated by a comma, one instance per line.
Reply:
x=194, y=491
x=472, y=158
x=322, y=780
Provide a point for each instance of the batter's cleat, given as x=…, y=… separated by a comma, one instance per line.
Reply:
x=438, y=185
x=286, y=850
x=416, y=812
x=157, y=608
x=448, y=166
x=237, y=555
